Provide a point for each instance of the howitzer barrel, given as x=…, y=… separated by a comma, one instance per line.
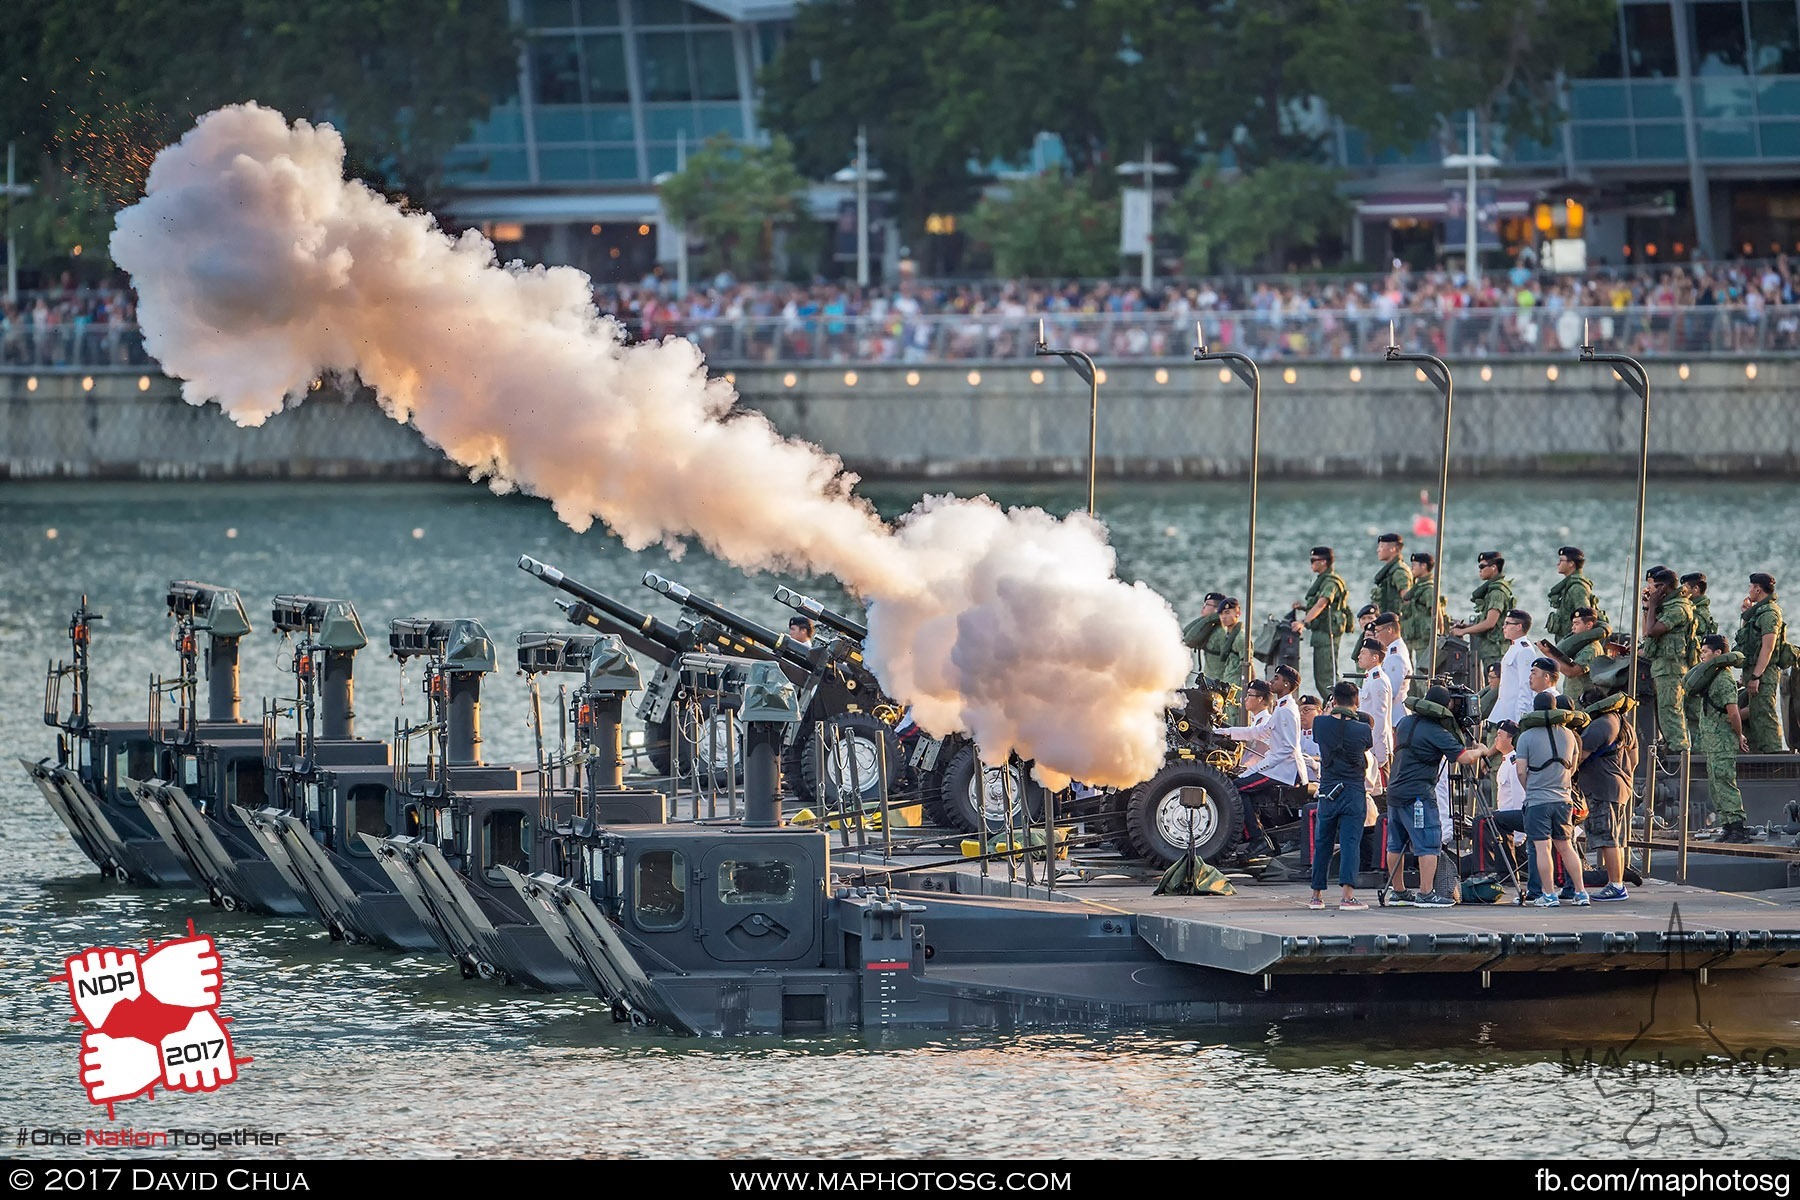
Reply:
x=652, y=627
x=818, y=612
x=756, y=631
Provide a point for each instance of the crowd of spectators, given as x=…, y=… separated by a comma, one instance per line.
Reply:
x=1719, y=307
x=71, y=324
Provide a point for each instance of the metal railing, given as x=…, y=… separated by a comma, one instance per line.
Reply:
x=1302, y=333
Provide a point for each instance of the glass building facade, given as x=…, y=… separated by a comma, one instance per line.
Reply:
x=1683, y=137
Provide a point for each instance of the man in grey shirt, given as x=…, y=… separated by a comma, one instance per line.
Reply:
x=1548, y=754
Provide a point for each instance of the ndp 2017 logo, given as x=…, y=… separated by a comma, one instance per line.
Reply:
x=150, y=1019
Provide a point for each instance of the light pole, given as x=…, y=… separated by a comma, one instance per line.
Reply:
x=1149, y=168
x=1638, y=380
x=1439, y=374
x=681, y=251
x=861, y=174
x=1246, y=370
x=13, y=188
x=1084, y=367
x=1474, y=162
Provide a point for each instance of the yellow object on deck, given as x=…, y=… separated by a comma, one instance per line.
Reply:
x=909, y=816
x=973, y=847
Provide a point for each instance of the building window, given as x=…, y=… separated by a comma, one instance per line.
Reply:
x=556, y=70
x=659, y=12
x=549, y=14
x=1719, y=42
x=598, y=12
x=715, y=67
x=663, y=61
x=1649, y=41
x=603, y=67
x=1774, y=37
x=1610, y=62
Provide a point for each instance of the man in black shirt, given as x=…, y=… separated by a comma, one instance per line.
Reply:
x=1424, y=741
x=1345, y=737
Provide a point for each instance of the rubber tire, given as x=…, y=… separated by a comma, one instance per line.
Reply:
x=960, y=807
x=793, y=781
x=657, y=749
x=859, y=730
x=1222, y=823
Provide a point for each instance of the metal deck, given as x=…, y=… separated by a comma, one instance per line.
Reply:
x=1267, y=929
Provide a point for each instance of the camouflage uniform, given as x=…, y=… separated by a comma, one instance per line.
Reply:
x=1566, y=595
x=1390, y=586
x=1494, y=595
x=1418, y=629
x=1718, y=741
x=1703, y=618
x=1762, y=729
x=1199, y=635
x=1670, y=655
x=1231, y=666
x=1325, y=628
x=1585, y=657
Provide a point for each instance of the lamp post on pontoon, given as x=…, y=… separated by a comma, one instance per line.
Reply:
x=1149, y=168
x=1638, y=380
x=1084, y=367
x=1438, y=372
x=1245, y=368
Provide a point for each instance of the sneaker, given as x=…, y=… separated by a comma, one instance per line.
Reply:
x=1434, y=900
x=1612, y=891
x=1567, y=893
x=1315, y=903
x=1398, y=898
x=1579, y=900
x=1546, y=900
x=1351, y=905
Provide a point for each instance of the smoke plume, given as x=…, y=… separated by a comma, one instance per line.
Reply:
x=259, y=268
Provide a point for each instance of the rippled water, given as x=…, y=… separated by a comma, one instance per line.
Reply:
x=364, y=1052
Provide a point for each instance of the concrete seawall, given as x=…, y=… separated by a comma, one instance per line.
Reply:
x=1008, y=420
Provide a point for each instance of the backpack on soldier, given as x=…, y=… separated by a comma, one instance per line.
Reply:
x=1342, y=619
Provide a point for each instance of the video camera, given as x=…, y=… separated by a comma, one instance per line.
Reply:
x=1464, y=705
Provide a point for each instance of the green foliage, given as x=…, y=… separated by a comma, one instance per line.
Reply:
x=63, y=212
x=735, y=196
x=402, y=82
x=1249, y=220
x=1050, y=226
x=1419, y=61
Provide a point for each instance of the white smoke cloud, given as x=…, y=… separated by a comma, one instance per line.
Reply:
x=259, y=268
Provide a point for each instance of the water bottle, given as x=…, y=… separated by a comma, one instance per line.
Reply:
x=1418, y=814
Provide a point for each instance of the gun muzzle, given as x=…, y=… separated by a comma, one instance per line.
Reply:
x=542, y=570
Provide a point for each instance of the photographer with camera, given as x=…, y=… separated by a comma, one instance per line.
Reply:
x=1431, y=736
x=1344, y=738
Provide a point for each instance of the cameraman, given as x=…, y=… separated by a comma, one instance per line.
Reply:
x=1424, y=742
x=1345, y=738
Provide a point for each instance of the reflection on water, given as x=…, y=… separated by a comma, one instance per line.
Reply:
x=361, y=1051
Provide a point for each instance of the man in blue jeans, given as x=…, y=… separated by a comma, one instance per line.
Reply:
x=1345, y=738
x=1424, y=741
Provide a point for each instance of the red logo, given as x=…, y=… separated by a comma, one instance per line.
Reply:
x=150, y=1019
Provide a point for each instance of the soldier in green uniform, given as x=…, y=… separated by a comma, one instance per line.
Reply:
x=1418, y=628
x=1572, y=591
x=1693, y=586
x=1576, y=653
x=1325, y=613
x=1492, y=600
x=1392, y=577
x=1670, y=646
x=1200, y=633
x=1761, y=639
x=1236, y=653
x=1721, y=732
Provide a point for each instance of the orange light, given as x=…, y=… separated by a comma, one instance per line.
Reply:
x=1544, y=221
x=508, y=231
x=643, y=231
x=1680, y=247
x=1746, y=248
x=594, y=229
x=1650, y=249
x=1576, y=216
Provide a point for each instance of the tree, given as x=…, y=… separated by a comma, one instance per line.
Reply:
x=735, y=195
x=1247, y=220
x=1051, y=226
x=1419, y=62
x=402, y=82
